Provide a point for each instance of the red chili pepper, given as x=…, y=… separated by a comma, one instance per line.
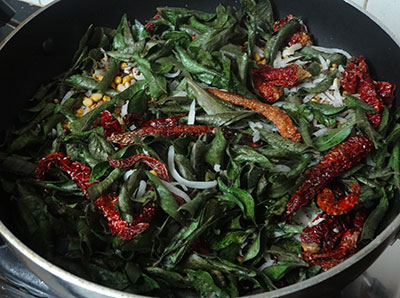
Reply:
x=347, y=246
x=386, y=92
x=325, y=235
x=150, y=27
x=301, y=36
x=178, y=131
x=110, y=125
x=356, y=79
x=341, y=158
x=170, y=121
x=355, y=70
x=278, y=24
x=80, y=174
x=156, y=165
x=271, y=82
x=332, y=205
x=126, y=230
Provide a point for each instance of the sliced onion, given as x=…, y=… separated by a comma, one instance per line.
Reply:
x=278, y=104
x=141, y=189
x=316, y=221
x=258, y=50
x=183, y=181
x=86, y=110
x=137, y=75
x=124, y=109
x=332, y=51
x=128, y=174
x=176, y=191
x=177, y=184
x=268, y=262
x=180, y=94
x=308, y=97
x=67, y=96
x=172, y=75
x=305, y=216
x=132, y=127
x=324, y=63
x=289, y=51
x=192, y=113
x=320, y=132
x=256, y=136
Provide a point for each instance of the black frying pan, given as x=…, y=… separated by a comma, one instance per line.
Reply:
x=43, y=47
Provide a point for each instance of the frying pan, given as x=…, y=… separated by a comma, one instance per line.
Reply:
x=43, y=46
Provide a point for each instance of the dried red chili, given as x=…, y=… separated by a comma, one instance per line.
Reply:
x=333, y=205
x=270, y=82
x=110, y=124
x=126, y=230
x=302, y=37
x=386, y=92
x=281, y=120
x=278, y=24
x=356, y=79
x=325, y=235
x=150, y=27
x=164, y=122
x=340, y=158
x=347, y=246
x=156, y=165
x=80, y=174
x=178, y=131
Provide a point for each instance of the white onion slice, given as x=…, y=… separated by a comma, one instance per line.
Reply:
x=141, y=189
x=177, y=184
x=217, y=168
x=289, y=51
x=176, y=191
x=320, y=132
x=137, y=75
x=332, y=51
x=268, y=262
x=192, y=113
x=172, y=75
x=308, y=97
x=324, y=63
x=67, y=96
x=258, y=50
x=180, y=94
x=128, y=174
x=124, y=109
x=183, y=181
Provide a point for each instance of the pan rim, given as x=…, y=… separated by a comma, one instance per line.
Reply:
x=391, y=230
